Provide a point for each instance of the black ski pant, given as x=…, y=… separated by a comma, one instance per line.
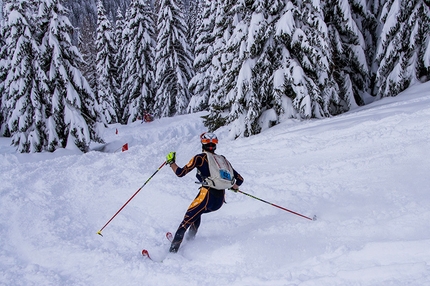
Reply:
x=207, y=200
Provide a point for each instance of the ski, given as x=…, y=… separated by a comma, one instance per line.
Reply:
x=145, y=252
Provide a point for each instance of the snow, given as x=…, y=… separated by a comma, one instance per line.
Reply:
x=363, y=173
x=286, y=24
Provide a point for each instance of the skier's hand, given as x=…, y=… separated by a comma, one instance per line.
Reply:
x=234, y=188
x=171, y=158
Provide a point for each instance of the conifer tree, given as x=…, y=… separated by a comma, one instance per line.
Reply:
x=272, y=82
x=192, y=14
x=106, y=81
x=23, y=88
x=203, y=54
x=268, y=109
x=399, y=53
x=87, y=37
x=274, y=51
x=218, y=103
x=138, y=87
x=245, y=42
x=348, y=35
x=173, y=61
x=233, y=97
x=74, y=111
x=121, y=40
x=307, y=56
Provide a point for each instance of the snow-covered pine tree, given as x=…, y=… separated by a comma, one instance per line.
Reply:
x=87, y=37
x=218, y=106
x=23, y=98
x=270, y=105
x=138, y=87
x=306, y=59
x=400, y=50
x=259, y=95
x=237, y=64
x=192, y=14
x=248, y=41
x=346, y=20
x=81, y=14
x=121, y=40
x=203, y=54
x=173, y=61
x=106, y=52
x=277, y=104
x=75, y=113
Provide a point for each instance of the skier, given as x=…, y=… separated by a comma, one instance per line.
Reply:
x=215, y=174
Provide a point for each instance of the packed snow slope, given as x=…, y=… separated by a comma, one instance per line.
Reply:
x=365, y=174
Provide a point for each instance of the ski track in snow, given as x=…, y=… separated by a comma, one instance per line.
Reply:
x=363, y=173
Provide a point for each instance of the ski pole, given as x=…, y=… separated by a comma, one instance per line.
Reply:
x=282, y=208
x=159, y=168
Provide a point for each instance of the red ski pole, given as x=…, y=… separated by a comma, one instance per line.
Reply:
x=282, y=208
x=100, y=231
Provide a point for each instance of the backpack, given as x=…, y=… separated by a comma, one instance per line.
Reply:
x=221, y=172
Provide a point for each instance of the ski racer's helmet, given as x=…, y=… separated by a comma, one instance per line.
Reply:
x=209, y=141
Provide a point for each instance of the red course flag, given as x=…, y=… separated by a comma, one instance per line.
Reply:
x=125, y=147
x=116, y=132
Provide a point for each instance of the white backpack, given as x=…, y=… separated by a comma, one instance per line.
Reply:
x=221, y=172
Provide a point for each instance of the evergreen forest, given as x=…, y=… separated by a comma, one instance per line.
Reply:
x=70, y=68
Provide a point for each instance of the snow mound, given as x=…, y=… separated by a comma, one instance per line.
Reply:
x=364, y=173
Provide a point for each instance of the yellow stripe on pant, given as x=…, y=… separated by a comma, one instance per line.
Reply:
x=199, y=199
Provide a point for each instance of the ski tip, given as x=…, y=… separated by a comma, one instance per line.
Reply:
x=169, y=236
x=314, y=218
x=145, y=253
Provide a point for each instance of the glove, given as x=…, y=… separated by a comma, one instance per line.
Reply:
x=170, y=158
